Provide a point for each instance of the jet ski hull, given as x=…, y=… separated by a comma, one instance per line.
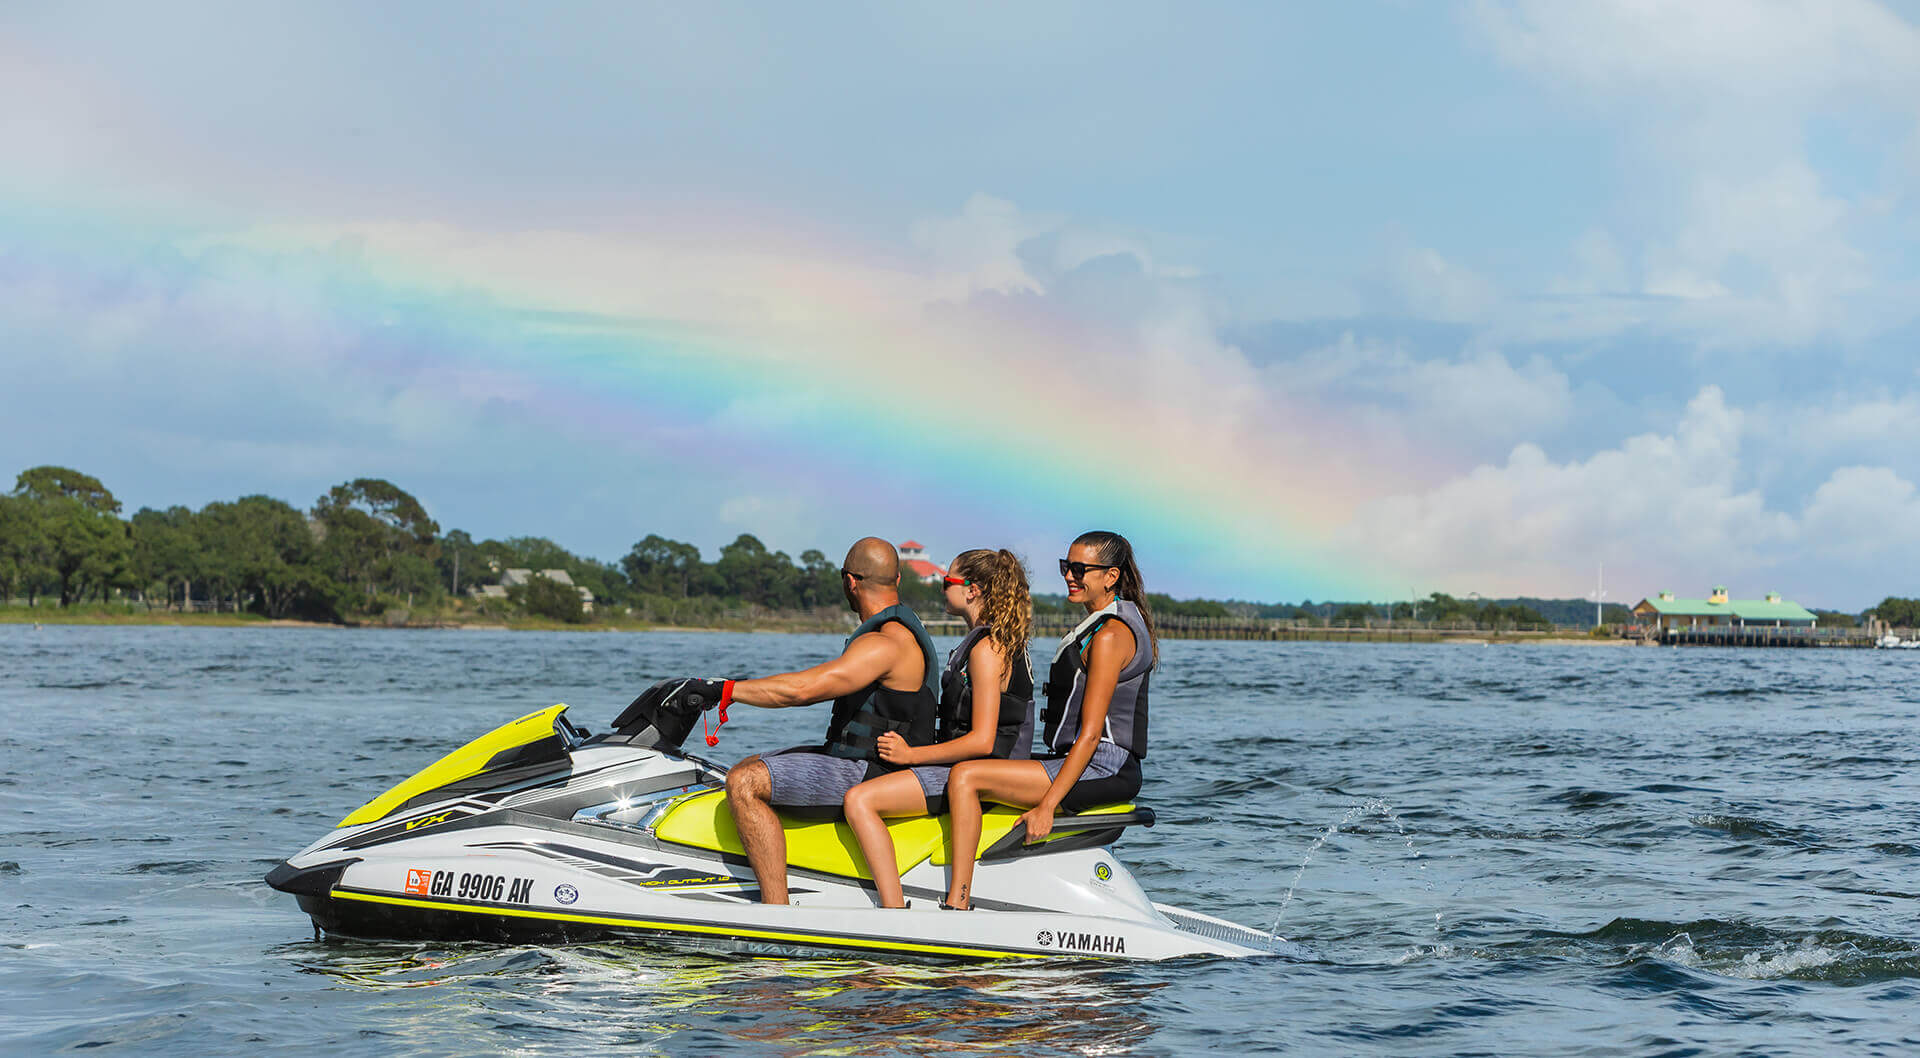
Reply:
x=633, y=843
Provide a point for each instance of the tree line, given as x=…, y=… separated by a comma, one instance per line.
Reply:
x=367, y=546
x=1900, y=613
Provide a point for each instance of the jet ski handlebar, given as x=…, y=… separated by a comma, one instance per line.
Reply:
x=664, y=714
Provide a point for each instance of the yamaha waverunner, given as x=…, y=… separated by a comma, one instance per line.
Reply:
x=540, y=831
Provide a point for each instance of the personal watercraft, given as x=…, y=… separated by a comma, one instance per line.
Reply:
x=540, y=831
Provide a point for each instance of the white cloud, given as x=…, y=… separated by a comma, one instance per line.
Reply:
x=1738, y=60
x=1434, y=288
x=1667, y=501
x=1737, y=236
x=980, y=247
x=1599, y=266
x=1660, y=510
x=1867, y=512
x=1478, y=396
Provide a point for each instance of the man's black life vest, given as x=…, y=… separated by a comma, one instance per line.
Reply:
x=1066, y=688
x=860, y=718
x=1013, y=730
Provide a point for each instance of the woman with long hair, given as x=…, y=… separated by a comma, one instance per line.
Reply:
x=1096, y=717
x=986, y=709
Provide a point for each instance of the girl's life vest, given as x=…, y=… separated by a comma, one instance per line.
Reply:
x=1013, y=732
x=1066, y=688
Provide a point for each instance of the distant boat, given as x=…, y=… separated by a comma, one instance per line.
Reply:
x=1894, y=642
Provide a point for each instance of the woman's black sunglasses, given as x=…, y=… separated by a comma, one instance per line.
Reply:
x=1079, y=569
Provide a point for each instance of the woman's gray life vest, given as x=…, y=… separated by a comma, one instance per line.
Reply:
x=1066, y=688
x=860, y=718
x=1013, y=730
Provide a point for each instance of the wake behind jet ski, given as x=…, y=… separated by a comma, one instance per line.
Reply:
x=539, y=831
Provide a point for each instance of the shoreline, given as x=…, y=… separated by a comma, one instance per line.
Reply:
x=96, y=618
x=1575, y=641
x=20, y=615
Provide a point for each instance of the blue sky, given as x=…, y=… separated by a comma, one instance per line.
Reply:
x=1552, y=283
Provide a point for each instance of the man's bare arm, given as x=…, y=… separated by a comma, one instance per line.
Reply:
x=865, y=660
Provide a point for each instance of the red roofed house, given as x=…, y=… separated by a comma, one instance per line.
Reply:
x=913, y=563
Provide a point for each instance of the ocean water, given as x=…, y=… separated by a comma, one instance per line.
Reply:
x=1515, y=849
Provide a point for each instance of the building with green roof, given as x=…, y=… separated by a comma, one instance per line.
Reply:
x=1664, y=611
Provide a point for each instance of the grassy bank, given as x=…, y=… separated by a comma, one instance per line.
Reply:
x=135, y=614
x=98, y=614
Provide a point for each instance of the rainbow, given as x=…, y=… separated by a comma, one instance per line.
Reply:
x=803, y=365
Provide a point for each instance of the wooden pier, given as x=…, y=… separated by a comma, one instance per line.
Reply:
x=1753, y=636
x=1283, y=630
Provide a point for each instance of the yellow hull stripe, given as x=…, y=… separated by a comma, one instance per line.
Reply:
x=463, y=763
x=832, y=940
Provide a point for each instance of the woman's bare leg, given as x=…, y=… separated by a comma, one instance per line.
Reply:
x=1020, y=783
x=894, y=794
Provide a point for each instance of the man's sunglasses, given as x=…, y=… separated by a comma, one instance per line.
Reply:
x=1079, y=569
x=845, y=572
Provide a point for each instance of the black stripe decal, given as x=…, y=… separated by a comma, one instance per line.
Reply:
x=647, y=921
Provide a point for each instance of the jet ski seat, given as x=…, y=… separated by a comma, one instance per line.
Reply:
x=702, y=820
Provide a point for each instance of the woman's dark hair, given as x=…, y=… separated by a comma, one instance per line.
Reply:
x=1114, y=551
x=1008, y=605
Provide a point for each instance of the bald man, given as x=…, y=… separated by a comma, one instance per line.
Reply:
x=885, y=680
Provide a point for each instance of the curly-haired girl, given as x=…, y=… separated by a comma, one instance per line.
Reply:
x=986, y=708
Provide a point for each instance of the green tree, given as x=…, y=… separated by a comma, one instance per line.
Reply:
x=604, y=580
x=457, y=547
x=819, y=581
x=372, y=534
x=1354, y=614
x=546, y=597
x=659, y=566
x=752, y=574
x=85, y=542
x=216, y=534
x=1898, y=612
x=166, y=551
x=538, y=552
x=25, y=554
x=268, y=555
x=1171, y=607
x=413, y=575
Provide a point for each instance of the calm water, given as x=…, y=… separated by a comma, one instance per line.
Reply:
x=1590, y=851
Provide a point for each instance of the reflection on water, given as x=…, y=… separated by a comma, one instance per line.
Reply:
x=610, y=993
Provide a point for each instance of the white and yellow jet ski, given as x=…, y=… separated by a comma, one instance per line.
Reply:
x=538, y=831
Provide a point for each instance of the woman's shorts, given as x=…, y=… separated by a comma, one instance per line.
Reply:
x=805, y=779
x=933, y=778
x=1108, y=759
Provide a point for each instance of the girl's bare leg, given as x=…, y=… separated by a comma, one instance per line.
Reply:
x=1020, y=783
x=895, y=794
